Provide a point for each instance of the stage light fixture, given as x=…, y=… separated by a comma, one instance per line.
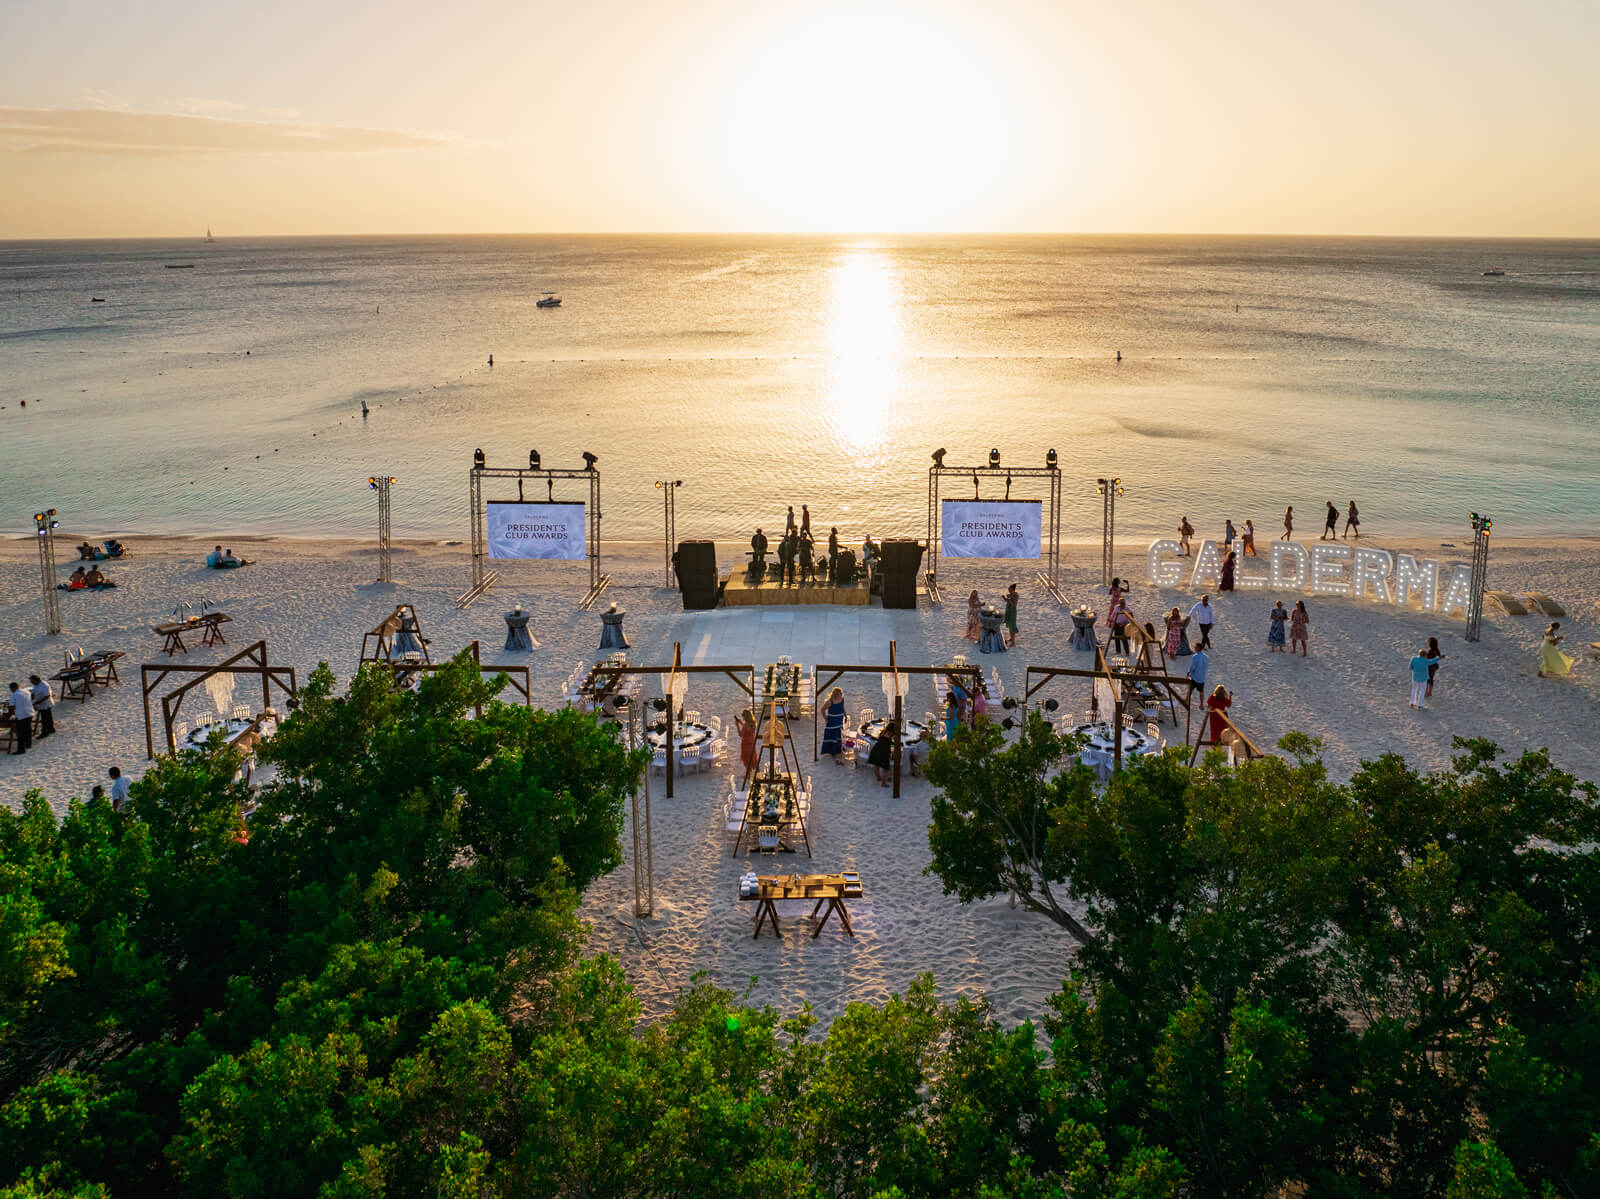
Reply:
x=1008, y=724
x=1008, y=702
x=533, y=459
x=660, y=705
x=1050, y=459
x=477, y=459
x=372, y=482
x=994, y=458
x=589, y=460
x=938, y=456
x=1050, y=705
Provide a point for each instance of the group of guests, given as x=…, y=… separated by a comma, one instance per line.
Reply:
x=223, y=559
x=26, y=704
x=798, y=560
x=975, y=615
x=1245, y=538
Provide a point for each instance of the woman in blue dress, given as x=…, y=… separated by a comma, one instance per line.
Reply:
x=1275, y=636
x=952, y=716
x=833, y=724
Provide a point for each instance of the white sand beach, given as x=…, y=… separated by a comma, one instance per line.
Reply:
x=312, y=601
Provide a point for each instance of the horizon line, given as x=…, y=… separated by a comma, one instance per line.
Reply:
x=812, y=233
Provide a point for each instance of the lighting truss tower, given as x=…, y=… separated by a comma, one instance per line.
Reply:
x=381, y=484
x=669, y=511
x=46, y=524
x=1481, y=526
x=1109, y=490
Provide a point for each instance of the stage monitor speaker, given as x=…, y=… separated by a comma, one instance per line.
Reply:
x=696, y=563
x=899, y=564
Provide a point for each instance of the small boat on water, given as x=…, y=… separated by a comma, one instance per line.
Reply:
x=210, y=241
x=97, y=299
x=180, y=266
x=551, y=300
x=1493, y=274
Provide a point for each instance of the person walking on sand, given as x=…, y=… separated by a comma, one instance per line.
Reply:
x=1228, y=534
x=1204, y=617
x=1275, y=638
x=1185, y=531
x=1299, y=621
x=833, y=726
x=1419, y=679
x=974, y=607
x=1352, y=520
x=1247, y=539
x=881, y=756
x=1217, y=711
x=1552, y=662
x=1330, y=526
x=1011, y=615
x=1432, y=653
x=1198, y=666
x=1288, y=523
x=745, y=724
x=1228, y=565
x=1119, y=618
x=1174, y=637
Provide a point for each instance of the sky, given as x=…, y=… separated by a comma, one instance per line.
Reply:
x=130, y=118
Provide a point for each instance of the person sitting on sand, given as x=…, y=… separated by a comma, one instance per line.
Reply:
x=87, y=553
x=214, y=559
x=75, y=581
x=228, y=560
x=95, y=580
x=1552, y=662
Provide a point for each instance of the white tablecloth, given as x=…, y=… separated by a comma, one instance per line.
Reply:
x=686, y=737
x=911, y=732
x=197, y=737
x=1098, y=749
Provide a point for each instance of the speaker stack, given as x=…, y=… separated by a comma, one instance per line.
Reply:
x=900, y=563
x=697, y=574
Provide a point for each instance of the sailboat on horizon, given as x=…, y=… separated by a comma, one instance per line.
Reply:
x=210, y=241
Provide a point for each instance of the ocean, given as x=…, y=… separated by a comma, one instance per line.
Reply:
x=225, y=398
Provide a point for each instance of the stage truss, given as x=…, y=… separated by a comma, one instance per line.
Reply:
x=482, y=577
x=1050, y=577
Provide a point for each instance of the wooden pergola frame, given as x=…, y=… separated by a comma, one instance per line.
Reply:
x=385, y=634
x=972, y=674
x=402, y=669
x=672, y=671
x=1114, y=680
x=252, y=660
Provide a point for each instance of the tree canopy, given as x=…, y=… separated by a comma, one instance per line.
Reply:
x=1380, y=987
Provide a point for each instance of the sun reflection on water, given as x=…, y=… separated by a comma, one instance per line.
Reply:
x=863, y=368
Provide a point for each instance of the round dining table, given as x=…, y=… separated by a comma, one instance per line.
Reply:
x=912, y=732
x=1099, y=748
x=686, y=736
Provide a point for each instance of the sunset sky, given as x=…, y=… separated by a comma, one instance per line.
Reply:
x=1263, y=116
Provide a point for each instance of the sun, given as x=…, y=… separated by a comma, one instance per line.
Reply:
x=867, y=121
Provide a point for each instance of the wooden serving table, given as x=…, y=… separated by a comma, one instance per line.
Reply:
x=828, y=890
x=211, y=625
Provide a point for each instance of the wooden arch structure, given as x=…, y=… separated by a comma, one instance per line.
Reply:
x=378, y=645
x=252, y=660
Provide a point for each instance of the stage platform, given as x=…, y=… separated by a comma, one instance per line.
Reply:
x=739, y=592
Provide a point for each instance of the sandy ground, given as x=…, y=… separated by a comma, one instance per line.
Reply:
x=311, y=601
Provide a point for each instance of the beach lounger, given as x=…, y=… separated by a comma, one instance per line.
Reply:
x=1546, y=605
x=1509, y=604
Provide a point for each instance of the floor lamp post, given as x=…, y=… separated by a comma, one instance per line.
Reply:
x=381, y=484
x=46, y=524
x=669, y=511
x=1481, y=525
x=1109, y=490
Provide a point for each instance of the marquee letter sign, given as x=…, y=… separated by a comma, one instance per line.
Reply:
x=1323, y=568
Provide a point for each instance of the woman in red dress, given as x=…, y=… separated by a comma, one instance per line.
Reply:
x=745, y=722
x=1226, y=583
x=1218, y=703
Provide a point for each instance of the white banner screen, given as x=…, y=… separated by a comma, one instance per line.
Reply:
x=990, y=528
x=519, y=530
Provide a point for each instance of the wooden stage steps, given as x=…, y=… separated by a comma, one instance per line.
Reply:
x=739, y=592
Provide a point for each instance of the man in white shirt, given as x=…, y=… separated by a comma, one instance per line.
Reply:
x=1204, y=616
x=119, y=790
x=44, y=704
x=22, y=711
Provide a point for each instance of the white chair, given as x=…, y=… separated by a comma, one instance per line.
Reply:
x=658, y=761
x=867, y=715
x=714, y=723
x=689, y=756
x=767, y=838
x=1153, y=731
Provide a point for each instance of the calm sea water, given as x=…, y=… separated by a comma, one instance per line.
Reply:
x=1256, y=373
